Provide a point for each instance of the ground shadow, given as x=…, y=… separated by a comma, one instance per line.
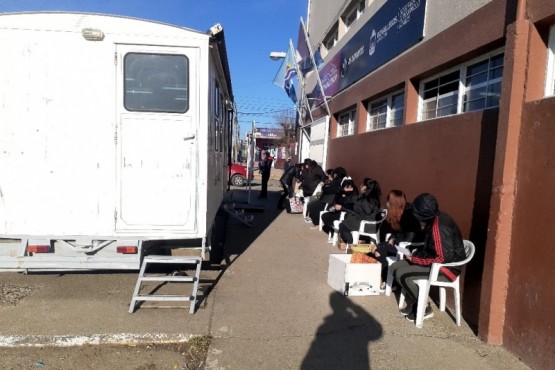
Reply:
x=342, y=341
x=231, y=237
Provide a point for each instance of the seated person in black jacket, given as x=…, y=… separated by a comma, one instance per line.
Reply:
x=343, y=200
x=329, y=193
x=443, y=243
x=365, y=208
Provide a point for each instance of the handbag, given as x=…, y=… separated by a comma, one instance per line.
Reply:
x=296, y=206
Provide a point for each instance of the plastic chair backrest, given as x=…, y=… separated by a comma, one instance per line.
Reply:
x=469, y=249
x=372, y=227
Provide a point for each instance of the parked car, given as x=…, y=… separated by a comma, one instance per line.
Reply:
x=238, y=176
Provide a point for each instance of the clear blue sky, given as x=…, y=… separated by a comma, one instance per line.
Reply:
x=253, y=29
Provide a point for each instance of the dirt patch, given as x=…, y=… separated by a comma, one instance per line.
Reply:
x=175, y=356
x=11, y=295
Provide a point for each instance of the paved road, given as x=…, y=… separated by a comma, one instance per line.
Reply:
x=269, y=308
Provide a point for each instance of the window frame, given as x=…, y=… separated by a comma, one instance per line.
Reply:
x=354, y=14
x=550, y=67
x=389, y=117
x=352, y=114
x=461, y=90
x=331, y=38
x=127, y=104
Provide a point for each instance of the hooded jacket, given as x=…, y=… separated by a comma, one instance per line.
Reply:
x=443, y=242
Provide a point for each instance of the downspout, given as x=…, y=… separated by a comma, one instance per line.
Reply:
x=495, y=278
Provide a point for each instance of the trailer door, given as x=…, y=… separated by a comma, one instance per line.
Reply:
x=156, y=138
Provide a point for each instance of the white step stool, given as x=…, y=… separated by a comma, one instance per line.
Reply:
x=183, y=260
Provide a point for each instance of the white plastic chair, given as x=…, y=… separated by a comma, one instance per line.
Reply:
x=370, y=228
x=321, y=224
x=390, y=261
x=335, y=236
x=311, y=198
x=425, y=284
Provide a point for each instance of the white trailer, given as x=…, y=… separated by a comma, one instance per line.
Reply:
x=113, y=135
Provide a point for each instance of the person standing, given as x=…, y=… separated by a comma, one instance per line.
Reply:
x=311, y=176
x=287, y=180
x=265, y=169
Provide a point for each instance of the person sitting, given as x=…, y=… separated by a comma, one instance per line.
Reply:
x=443, y=243
x=330, y=175
x=366, y=207
x=400, y=224
x=312, y=176
x=329, y=193
x=343, y=200
x=287, y=181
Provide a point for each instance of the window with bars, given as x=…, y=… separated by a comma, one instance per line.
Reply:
x=346, y=123
x=550, y=76
x=386, y=112
x=473, y=86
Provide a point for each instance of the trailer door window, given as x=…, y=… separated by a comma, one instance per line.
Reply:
x=156, y=83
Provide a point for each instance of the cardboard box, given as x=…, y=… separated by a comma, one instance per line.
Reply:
x=353, y=278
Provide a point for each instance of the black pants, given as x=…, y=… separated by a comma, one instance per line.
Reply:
x=328, y=218
x=265, y=178
x=406, y=273
x=288, y=192
x=313, y=211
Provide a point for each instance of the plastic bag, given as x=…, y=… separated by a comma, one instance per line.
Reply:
x=295, y=205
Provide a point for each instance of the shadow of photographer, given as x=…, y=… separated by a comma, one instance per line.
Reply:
x=342, y=341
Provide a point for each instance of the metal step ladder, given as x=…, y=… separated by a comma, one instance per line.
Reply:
x=180, y=260
x=239, y=214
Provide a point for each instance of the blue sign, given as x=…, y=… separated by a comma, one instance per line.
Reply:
x=396, y=26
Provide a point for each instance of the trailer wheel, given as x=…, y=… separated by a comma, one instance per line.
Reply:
x=238, y=180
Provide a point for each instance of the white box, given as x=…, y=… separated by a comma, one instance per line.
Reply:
x=355, y=278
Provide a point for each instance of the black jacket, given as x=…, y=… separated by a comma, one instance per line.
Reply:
x=290, y=175
x=363, y=209
x=311, y=179
x=330, y=191
x=443, y=243
x=410, y=228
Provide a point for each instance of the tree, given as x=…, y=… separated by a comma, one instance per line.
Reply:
x=286, y=120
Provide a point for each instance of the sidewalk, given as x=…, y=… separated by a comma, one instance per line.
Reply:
x=274, y=310
x=269, y=308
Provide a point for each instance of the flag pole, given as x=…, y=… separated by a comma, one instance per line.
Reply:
x=301, y=81
x=319, y=81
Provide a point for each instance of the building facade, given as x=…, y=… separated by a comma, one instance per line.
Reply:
x=456, y=98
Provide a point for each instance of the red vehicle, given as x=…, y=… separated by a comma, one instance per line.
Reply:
x=238, y=175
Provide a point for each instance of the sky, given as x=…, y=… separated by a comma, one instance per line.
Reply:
x=253, y=29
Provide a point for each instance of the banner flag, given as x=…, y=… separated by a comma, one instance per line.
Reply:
x=285, y=75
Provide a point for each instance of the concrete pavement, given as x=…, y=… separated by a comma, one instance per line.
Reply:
x=274, y=310
x=269, y=308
